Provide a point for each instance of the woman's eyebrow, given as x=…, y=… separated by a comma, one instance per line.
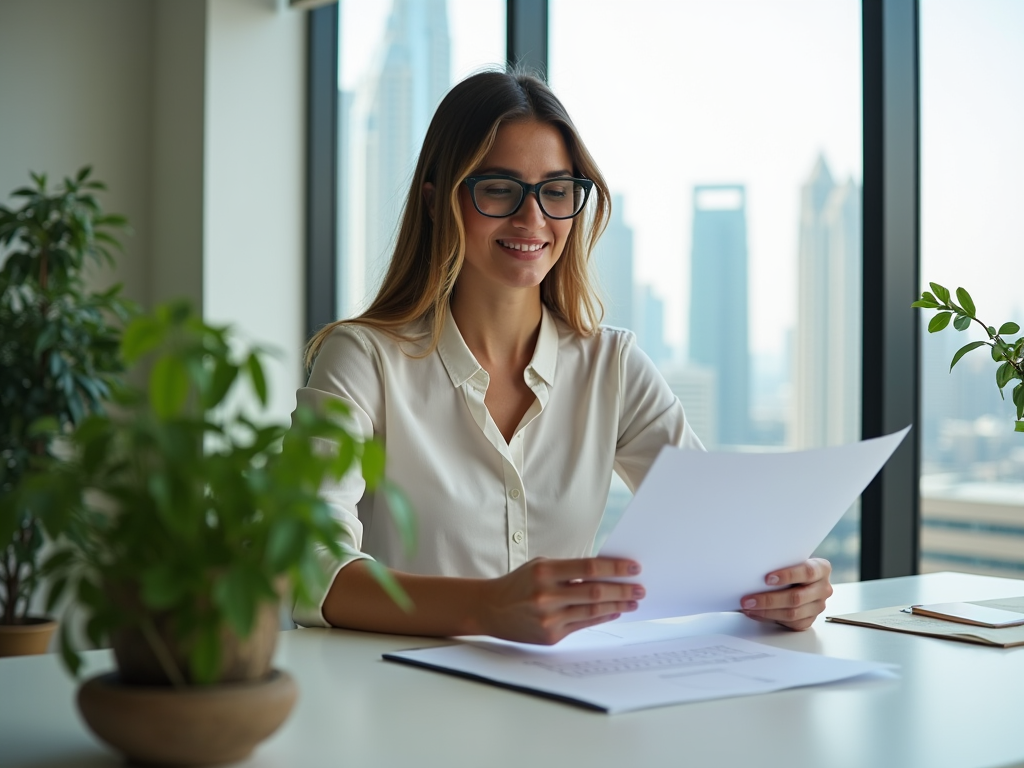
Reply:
x=516, y=174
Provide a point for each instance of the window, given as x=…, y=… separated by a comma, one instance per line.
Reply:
x=730, y=134
x=397, y=60
x=972, y=159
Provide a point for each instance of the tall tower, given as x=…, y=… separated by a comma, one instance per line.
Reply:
x=826, y=402
x=390, y=113
x=718, y=303
x=613, y=262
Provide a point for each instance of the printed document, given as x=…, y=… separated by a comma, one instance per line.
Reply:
x=708, y=527
x=639, y=675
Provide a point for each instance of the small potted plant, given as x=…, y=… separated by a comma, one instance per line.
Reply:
x=58, y=361
x=1009, y=353
x=186, y=518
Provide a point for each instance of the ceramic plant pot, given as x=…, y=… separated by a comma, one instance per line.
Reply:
x=26, y=639
x=195, y=725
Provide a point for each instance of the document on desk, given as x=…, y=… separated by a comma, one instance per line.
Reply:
x=707, y=527
x=623, y=678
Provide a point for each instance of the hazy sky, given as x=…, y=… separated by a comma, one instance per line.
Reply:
x=670, y=94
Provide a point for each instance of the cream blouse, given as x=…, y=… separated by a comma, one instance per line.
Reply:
x=483, y=506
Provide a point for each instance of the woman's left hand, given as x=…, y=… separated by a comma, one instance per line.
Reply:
x=806, y=587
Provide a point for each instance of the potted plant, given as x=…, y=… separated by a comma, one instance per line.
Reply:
x=1009, y=353
x=184, y=517
x=58, y=361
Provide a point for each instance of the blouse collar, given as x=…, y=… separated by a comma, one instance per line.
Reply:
x=462, y=365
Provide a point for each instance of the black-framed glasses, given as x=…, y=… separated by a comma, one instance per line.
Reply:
x=499, y=196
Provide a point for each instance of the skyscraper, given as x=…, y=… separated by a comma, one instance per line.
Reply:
x=613, y=264
x=650, y=324
x=826, y=401
x=718, y=303
x=389, y=116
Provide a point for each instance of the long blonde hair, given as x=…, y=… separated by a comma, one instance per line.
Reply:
x=429, y=252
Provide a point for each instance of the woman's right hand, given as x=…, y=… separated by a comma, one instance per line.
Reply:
x=545, y=600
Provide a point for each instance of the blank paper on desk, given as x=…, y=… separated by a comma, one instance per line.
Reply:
x=708, y=527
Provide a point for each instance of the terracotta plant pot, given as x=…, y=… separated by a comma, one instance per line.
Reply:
x=196, y=725
x=26, y=639
x=242, y=660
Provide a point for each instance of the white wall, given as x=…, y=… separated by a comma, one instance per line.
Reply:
x=254, y=241
x=75, y=89
x=193, y=112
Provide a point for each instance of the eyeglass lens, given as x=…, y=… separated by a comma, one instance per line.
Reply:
x=559, y=198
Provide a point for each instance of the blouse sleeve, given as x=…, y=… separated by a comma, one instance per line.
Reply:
x=650, y=415
x=346, y=369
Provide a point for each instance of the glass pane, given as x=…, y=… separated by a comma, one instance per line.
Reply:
x=972, y=160
x=730, y=133
x=397, y=60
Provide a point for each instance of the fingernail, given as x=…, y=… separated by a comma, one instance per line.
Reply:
x=632, y=605
x=639, y=592
x=772, y=580
x=750, y=603
x=634, y=568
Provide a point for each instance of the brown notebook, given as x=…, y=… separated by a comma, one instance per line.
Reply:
x=896, y=619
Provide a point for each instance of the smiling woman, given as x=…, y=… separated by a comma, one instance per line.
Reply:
x=503, y=404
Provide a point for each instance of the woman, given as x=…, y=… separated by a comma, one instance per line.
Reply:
x=503, y=406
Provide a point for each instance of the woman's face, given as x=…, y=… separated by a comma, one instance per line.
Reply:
x=518, y=250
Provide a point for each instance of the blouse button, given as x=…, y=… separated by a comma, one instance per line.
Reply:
x=514, y=493
x=517, y=537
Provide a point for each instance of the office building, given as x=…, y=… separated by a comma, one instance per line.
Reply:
x=718, y=303
x=826, y=376
x=613, y=267
x=697, y=389
x=650, y=324
x=390, y=112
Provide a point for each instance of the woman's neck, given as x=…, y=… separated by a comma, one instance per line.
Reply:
x=498, y=328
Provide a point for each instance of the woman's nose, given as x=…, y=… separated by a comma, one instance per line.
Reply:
x=529, y=215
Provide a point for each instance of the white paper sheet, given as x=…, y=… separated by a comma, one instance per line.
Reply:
x=707, y=527
x=639, y=675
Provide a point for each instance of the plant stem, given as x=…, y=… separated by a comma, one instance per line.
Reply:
x=162, y=653
x=1017, y=366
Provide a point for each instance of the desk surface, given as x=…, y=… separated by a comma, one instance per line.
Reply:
x=955, y=705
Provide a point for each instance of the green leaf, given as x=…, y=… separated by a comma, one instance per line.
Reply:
x=929, y=296
x=72, y=660
x=940, y=321
x=162, y=586
x=1008, y=328
x=1018, y=400
x=285, y=544
x=925, y=304
x=390, y=584
x=239, y=592
x=204, y=658
x=56, y=592
x=1004, y=374
x=964, y=350
x=373, y=463
x=141, y=336
x=259, y=381
x=223, y=377
x=965, y=300
x=403, y=516
x=168, y=386
x=940, y=292
x=962, y=322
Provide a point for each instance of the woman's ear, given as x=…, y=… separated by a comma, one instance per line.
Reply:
x=428, y=198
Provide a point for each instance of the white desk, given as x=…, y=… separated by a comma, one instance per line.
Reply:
x=955, y=706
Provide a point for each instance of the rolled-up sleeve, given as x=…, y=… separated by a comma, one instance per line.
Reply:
x=650, y=415
x=346, y=370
